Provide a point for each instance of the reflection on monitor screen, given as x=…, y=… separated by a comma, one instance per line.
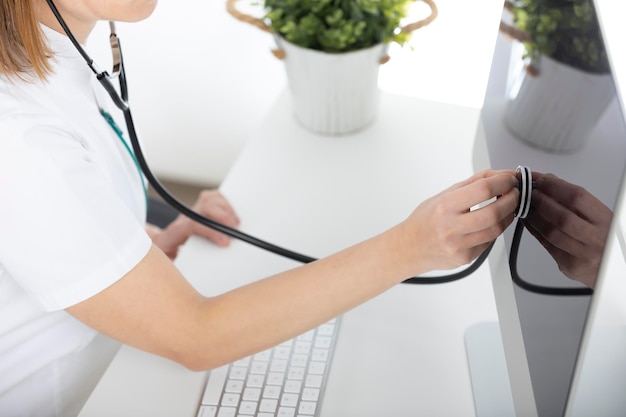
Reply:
x=557, y=112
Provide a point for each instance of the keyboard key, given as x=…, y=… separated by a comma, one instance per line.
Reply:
x=279, y=365
x=306, y=336
x=289, y=400
x=271, y=392
x=299, y=360
x=320, y=355
x=326, y=329
x=286, y=412
x=307, y=408
x=313, y=381
x=215, y=385
x=275, y=378
x=238, y=372
x=268, y=405
x=230, y=400
x=323, y=342
x=310, y=394
x=247, y=408
x=255, y=381
x=317, y=368
x=263, y=356
x=242, y=362
x=259, y=368
x=234, y=386
x=296, y=373
x=207, y=411
x=282, y=352
x=293, y=386
x=302, y=347
x=251, y=394
x=227, y=412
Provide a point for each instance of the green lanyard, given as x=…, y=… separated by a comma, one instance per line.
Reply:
x=120, y=135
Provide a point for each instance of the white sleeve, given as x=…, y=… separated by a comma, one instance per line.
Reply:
x=65, y=232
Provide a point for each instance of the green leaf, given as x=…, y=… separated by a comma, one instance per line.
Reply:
x=566, y=30
x=338, y=25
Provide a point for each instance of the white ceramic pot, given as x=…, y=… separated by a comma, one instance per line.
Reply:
x=557, y=109
x=333, y=93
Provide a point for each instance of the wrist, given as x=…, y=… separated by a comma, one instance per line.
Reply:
x=409, y=259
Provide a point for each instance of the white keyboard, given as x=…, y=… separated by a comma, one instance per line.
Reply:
x=287, y=380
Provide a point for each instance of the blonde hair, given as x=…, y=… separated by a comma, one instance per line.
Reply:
x=23, y=49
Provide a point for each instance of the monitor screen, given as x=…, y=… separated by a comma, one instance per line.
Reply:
x=552, y=105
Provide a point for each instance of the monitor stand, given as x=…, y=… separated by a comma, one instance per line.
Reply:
x=602, y=381
x=489, y=376
x=599, y=391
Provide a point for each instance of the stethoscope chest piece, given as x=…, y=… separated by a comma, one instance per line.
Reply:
x=524, y=184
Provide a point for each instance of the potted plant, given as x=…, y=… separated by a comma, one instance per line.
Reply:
x=567, y=84
x=332, y=50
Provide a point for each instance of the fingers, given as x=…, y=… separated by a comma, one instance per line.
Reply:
x=558, y=225
x=483, y=187
x=579, y=200
x=481, y=175
x=560, y=256
x=483, y=225
x=212, y=204
x=583, y=267
x=569, y=208
x=497, y=194
x=213, y=201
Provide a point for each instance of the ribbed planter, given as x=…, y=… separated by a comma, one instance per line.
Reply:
x=333, y=93
x=557, y=109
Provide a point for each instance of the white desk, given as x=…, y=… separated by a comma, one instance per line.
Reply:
x=400, y=354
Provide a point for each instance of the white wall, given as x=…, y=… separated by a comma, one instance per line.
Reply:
x=200, y=82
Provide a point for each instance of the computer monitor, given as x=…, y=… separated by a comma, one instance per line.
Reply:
x=560, y=114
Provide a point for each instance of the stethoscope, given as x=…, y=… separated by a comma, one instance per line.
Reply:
x=121, y=101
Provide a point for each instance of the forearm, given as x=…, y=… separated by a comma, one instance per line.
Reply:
x=155, y=309
x=277, y=308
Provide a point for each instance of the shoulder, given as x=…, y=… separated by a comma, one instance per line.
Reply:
x=30, y=138
x=28, y=123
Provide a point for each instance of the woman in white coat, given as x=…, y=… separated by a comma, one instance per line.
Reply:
x=80, y=272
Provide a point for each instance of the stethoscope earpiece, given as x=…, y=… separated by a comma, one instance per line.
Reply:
x=524, y=184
